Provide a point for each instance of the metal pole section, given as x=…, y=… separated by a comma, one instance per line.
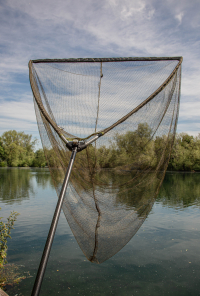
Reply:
x=92, y=140
x=49, y=241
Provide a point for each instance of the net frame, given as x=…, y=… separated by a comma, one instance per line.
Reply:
x=98, y=60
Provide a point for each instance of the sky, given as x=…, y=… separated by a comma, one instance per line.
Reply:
x=41, y=29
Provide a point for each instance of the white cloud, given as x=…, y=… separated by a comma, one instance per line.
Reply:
x=190, y=85
x=22, y=110
x=190, y=109
x=132, y=9
x=18, y=115
x=179, y=17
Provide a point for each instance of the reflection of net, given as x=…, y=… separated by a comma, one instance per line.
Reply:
x=134, y=103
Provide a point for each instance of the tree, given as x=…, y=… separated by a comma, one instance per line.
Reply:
x=185, y=153
x=2, y=155
x=39, y=160
x=18, y=148
x=2, y=152
x=136, y=148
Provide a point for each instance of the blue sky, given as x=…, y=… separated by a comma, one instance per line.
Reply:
x=88, y=28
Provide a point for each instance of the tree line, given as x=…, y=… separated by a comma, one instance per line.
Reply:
x=139, y=149
x=17, y=149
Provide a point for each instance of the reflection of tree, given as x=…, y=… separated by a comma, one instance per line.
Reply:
x=180, y=190
x=43, y=178
x=138, y=196
x=15, y=185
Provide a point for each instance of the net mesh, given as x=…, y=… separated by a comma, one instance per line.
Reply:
x=134, y=104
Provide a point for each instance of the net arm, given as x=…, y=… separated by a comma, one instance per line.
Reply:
x=41, y=107
x=93, y=139
x=66, y=141
x=165, y=83
x=105, y=60
x=81, y=144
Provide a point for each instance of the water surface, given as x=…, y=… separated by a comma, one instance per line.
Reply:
x=163, y=258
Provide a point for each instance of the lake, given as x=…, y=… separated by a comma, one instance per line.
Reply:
x=162, y=258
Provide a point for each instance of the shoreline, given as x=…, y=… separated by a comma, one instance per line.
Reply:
x=106, y=169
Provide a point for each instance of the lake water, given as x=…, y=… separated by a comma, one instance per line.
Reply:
x=163, y=258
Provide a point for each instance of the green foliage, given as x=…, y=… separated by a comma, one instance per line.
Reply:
x=18, y=148
x=5, y=230
x=185, y=153
x=134, y=142
x=108, y=158
x=11, y=275
x=39, y=160
x=135, y=148
x=2, y=152
x=3, y=164
x=138, y=149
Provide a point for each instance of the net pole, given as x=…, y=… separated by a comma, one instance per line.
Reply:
x=49, y=241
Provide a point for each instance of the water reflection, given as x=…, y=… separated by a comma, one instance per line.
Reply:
x=43, y=178
x=162, y=257
x=180, y=190
x=18, y=184
x=123, y=209
x=15, y=185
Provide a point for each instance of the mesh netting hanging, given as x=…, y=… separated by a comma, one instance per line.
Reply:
x=130, y=105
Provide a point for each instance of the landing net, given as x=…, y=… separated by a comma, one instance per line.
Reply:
x=132, y=104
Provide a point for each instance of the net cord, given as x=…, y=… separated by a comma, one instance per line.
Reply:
x=101, y=75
